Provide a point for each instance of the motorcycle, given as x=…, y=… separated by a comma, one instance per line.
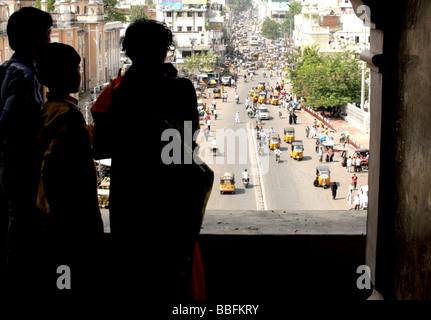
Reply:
x=250, y=113
x=246, y=182
x=213, y=150
x=277, y=156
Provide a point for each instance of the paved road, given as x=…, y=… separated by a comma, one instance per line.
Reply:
x=287, y=185
x=234, y=156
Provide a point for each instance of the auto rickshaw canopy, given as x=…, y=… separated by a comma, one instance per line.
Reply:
x=289, y=130
x=228, y=177
x=323, y=170
x=275, y=137
x=362, y=151
x=297, y=145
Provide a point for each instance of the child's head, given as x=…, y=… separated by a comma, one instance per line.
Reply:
x=58, y=66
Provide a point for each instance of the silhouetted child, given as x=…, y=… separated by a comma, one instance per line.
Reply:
x=68, y=182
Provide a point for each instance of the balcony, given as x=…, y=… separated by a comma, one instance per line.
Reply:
x=309, y=255
x=281, y=255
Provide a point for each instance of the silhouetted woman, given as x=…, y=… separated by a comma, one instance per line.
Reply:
x=145, y=121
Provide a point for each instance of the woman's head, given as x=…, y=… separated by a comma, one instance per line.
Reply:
x=148, y=41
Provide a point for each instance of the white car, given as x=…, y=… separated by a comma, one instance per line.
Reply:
x=263, y=113
x=363, y=197
x=226, y=81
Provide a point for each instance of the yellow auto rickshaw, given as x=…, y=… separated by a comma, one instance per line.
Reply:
x=262, y=97
x=261, y=85
x=297, y=150
x=269, y=66
x=253, y=90
x=227, y=183
x=274, y=141
x=217, y=93
x=212, y=83
x=323, y=178
x=289, y=134
x=255, y=95
x=274, y=99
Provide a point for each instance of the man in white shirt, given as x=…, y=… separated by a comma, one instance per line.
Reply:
x=358, y=164
x=245, y=176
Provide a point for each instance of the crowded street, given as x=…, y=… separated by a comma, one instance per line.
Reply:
x=283, y=185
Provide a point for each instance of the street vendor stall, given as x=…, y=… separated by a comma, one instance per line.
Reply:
x=328, y=144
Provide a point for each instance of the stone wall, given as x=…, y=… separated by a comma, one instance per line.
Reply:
x=356, y=116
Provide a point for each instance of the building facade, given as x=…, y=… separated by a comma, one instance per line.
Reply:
x=332, y=25
x=4, y=43
x=197, y=25
x=80, y=24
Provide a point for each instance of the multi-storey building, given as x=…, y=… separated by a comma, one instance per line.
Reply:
x=331, y=24
x=197, y=26
x=4, y=44
x=79, y=23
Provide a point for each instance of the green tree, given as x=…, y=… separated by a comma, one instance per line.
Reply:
x=137, y=12
x=112, y=13
x=289, y=21
x=150, y=3
x=239, y=5
x=200, y=62
x=50, y=7
x=326, y=80
x=271, y=29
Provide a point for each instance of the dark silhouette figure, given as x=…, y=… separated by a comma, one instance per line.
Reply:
x=334, y=188
x=145, y=121
x=67, y=192
x=21, y=224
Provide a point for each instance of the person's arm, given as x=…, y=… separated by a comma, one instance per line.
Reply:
x=101, y=133
x=19, y=106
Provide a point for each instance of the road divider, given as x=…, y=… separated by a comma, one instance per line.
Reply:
x=256, y=170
